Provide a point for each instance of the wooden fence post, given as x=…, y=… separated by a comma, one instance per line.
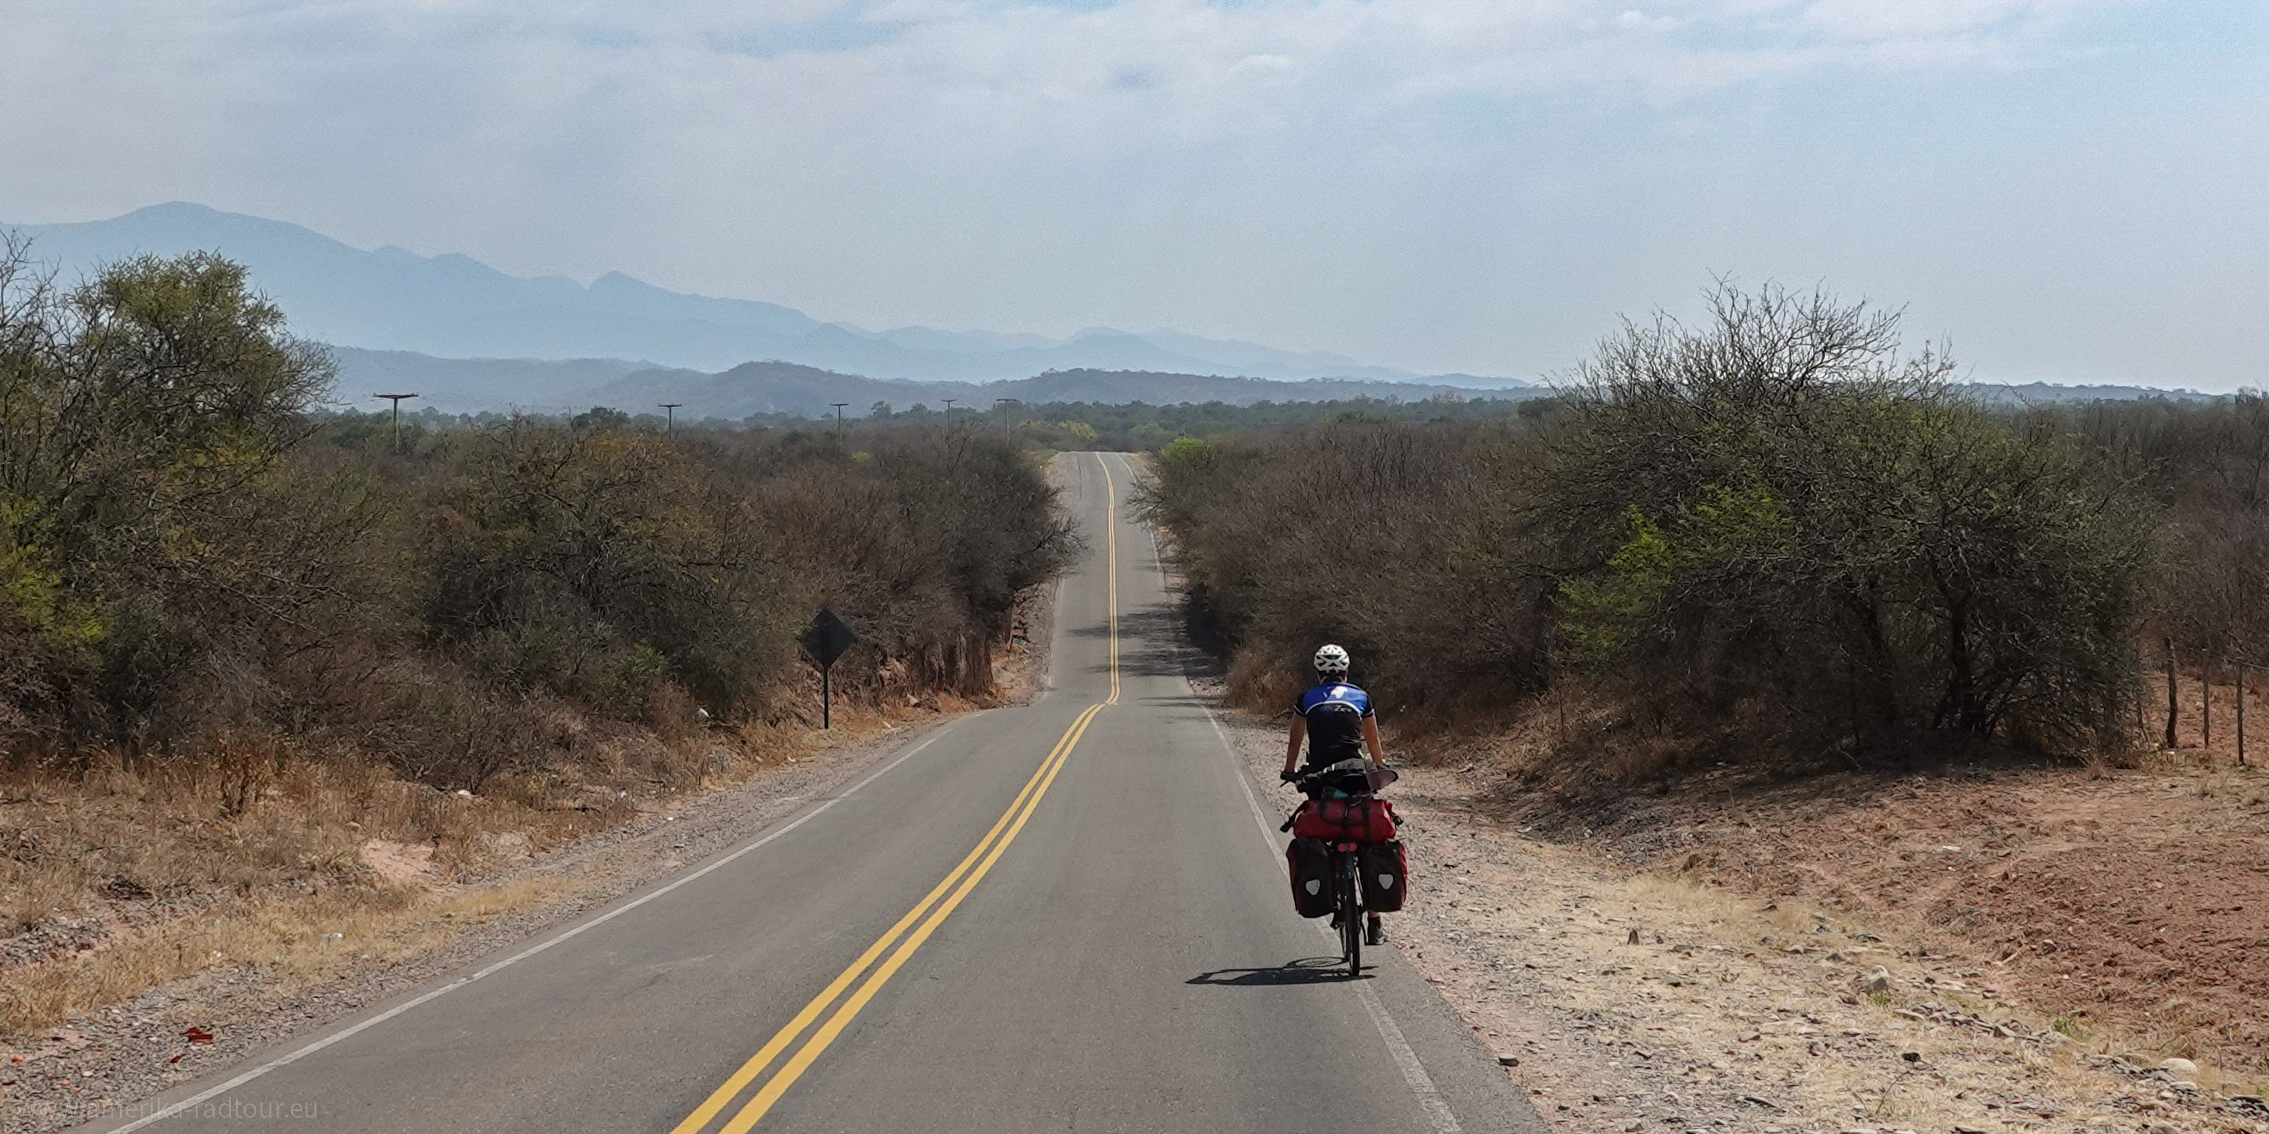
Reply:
x=2206, y=703
x=2174, y=707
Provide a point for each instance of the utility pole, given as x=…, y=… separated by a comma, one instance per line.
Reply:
x=1004, y=403
x=397, y=400
x=670, y=418
x=838, y=414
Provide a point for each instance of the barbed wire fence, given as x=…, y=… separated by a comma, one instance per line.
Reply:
x=2237, y=670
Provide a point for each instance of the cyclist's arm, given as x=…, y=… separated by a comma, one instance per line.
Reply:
x=1292, y=743
x=1371, y=739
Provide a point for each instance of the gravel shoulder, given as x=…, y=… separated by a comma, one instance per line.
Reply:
x=1658, y=978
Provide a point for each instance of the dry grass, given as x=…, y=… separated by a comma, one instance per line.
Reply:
x=1577, y=739
x=297, y=938
x=1258, y=684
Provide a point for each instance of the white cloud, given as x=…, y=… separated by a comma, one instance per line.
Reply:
x=1284, y=166
x=1866, y=20
x=536, y=100
x=1635, y=20
x=993, y=73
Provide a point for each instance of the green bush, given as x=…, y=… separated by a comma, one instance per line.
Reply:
x=143, y=419
x=561, y=556
x=1827, y=532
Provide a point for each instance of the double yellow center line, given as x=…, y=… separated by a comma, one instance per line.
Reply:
x=899, y=942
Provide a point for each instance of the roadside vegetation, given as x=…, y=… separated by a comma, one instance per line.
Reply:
x=1766, y=627
x=242, y=641
x=1774, y=539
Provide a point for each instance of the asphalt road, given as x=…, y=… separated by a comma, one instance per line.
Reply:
x=1067, y=916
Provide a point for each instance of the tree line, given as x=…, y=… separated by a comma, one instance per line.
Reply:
x=1776, y=534
x=191, y=547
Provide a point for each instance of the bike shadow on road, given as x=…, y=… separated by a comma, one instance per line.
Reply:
x=1306, y=970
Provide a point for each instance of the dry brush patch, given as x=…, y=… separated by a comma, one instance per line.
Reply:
x=118, y=881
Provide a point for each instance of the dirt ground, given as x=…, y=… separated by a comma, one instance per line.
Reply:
x=1971, y=951
x=2135, y=904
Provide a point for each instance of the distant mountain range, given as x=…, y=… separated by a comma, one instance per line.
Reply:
x=2043, y=393
x=456, y=385
x=452, y=306
x=469, y=338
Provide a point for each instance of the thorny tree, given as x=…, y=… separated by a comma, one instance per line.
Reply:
x=1778, y=510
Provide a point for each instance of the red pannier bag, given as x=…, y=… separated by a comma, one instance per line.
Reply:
x=1345, y=820
x=1310, y=863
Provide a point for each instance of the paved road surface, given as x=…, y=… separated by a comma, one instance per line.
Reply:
x=1060, y=917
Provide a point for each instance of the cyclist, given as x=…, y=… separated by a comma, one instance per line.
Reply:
x=1335, y=721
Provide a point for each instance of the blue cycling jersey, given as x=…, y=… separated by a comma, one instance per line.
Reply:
x=1334, y=711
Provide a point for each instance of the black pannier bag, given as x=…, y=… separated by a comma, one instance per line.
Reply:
x=1311, y=876
x=1386, y=875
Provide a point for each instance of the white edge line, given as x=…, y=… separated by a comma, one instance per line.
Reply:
x=345, y=1033
x=1413, y=1071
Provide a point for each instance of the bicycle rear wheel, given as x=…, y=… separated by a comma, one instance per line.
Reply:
x=1350, y=917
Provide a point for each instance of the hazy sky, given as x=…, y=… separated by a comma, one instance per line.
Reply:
x=2068, y=189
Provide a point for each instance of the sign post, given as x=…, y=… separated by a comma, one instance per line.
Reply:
x=825, y=640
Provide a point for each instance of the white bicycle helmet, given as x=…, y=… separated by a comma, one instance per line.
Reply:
x=1331, y=661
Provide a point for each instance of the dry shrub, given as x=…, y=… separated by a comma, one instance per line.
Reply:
x=35, y=885
x=2207, y=463
x=1259, y=681
x=921, y=539
x=1391, y=541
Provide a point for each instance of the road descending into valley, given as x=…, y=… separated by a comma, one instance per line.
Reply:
x=1064, y=916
